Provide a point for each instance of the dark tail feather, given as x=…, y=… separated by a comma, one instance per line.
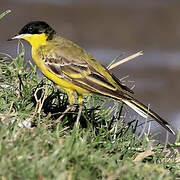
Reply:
x=144, y=111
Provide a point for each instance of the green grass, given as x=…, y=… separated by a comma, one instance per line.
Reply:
x=104, y=147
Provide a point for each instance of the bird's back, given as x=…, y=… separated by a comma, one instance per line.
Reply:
x=75, y=54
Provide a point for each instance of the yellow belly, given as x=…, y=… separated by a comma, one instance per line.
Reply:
x=65, y=84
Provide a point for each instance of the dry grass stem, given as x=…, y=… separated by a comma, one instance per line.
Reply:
x=125, y=60
x=148, y=152
x=144, y=128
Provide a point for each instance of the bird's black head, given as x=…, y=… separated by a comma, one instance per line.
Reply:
x=38, y=27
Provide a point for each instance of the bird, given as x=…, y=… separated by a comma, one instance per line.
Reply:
x=77, y=72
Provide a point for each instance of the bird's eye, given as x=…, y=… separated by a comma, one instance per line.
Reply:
x=30, y=29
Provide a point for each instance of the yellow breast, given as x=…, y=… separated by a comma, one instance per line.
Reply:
x=40, y=49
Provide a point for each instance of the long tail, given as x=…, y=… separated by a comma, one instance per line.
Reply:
x=144, y=111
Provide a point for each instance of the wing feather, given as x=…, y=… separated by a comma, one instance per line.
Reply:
x=78, y=68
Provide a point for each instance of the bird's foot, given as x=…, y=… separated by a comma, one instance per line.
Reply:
x=72, y=108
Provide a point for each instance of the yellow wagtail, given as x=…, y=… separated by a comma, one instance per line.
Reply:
x=76, y=71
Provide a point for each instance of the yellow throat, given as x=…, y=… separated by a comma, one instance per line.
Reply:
x=36, y=40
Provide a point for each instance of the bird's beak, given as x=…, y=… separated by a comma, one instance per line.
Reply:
x=19, y=36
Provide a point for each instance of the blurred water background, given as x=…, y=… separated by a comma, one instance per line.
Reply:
x=107, y=29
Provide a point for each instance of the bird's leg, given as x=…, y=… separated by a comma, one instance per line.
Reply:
x=79, y=115
x=72, y=105
x=80, y=100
